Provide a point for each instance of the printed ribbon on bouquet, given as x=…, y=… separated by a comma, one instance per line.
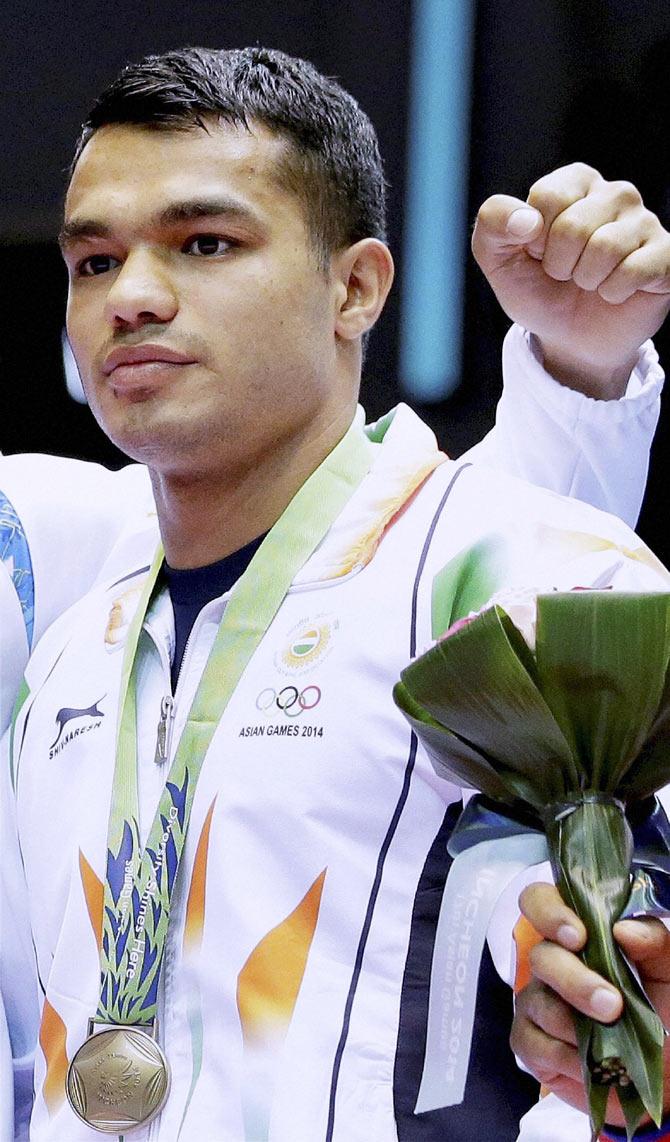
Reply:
x=490, y=847
x=139, y=884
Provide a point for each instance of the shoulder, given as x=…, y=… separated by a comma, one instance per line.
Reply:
x=70, y=515
x=502, y=532
x=497, y=498
x=40, y=486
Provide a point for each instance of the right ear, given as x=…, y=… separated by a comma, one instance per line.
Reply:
x=365, y=274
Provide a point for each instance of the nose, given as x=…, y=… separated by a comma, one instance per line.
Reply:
x=142, y=293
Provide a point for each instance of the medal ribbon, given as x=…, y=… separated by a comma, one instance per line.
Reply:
x=139, y=884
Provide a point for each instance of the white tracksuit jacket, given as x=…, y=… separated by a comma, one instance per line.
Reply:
x=297, y=954
x=72, y=511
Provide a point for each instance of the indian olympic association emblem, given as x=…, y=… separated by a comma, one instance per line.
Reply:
x=306, y=643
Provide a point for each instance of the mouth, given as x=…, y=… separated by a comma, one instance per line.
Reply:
x=143, y=366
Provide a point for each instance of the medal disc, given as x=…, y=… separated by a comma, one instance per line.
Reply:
x=118, y=1080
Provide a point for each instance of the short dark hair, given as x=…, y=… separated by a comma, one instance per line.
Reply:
x=332, y=161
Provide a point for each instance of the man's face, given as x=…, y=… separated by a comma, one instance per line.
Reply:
x=200, y=321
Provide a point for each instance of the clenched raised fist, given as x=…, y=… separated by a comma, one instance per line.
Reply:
x=584, y=266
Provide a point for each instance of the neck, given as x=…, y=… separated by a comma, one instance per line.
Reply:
x=205, y=516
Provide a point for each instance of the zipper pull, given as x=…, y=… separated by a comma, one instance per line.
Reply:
x=164, y=731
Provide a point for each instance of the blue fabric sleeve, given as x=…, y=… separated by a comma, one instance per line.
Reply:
x=15, y=554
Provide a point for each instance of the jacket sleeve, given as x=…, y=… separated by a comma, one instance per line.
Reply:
x=19, y=1010
x=71, y=513
x=552, y=436
x=552, y=1120
x=59, y=520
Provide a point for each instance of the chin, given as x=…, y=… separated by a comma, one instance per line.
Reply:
x=135, y=436
x=169, y=448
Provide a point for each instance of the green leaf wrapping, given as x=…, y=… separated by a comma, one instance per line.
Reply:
x=477, y=684
x=602, y=661
x=590, y=846
x=588, y=715
x=467, y=766
x=651, y=769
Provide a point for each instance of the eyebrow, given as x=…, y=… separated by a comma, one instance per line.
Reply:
x=188, y=210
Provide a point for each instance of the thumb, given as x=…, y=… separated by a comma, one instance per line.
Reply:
x=646, y=942
x=504, y=225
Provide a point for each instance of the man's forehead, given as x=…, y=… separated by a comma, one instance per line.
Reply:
x=125, y=158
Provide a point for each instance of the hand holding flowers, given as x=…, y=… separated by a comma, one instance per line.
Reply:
x=543, y=1031
x=576, y=732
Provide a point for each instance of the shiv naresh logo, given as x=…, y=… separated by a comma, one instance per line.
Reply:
x=70, y=713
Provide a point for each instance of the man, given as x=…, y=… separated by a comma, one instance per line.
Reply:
x=223, y=273
x=552, y=434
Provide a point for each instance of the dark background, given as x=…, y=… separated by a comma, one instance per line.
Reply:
x=554, y=81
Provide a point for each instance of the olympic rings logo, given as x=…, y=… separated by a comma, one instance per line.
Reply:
x=291, y=700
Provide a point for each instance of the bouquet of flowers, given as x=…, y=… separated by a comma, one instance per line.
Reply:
x=558, y=706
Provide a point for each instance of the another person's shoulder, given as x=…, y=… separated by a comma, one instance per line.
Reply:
x=59, y=521
x=103, y=609
x=38, y=485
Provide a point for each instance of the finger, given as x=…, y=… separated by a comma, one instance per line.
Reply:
x=542, y=905
x=503, y=225
x=575, y=207
x=549, y=1059
x=556, y=192
x=582, y=988
x=647, y=943
x=573, y=228
x=646, y=270
x=561, y=187
x=547, y=1010
x=610, y=244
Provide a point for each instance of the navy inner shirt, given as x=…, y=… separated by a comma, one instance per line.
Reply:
x=191, y=589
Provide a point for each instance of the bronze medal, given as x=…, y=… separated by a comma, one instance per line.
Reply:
x=118, y=1080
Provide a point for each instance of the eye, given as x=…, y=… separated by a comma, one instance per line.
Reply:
x=97, y=264
x=207, y=246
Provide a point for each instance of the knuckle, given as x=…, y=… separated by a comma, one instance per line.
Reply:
x=537, y=958
x=526, y=898
x=571, y=173
x=571, y=227
x=534, y=902
x=563, y=186
x=548, y=198
x=483, y=213
x=518, y=1038
x=656, y=227
x=544, y=1070
x=582, y=170
x=577, y=232
x=625, y=192
x=483, y=225
x=542, y=1062
x=656, y=235
x=545, y=1009
x=626, y=273
x=619, y=284
x=606, y=240
x=525, y=999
